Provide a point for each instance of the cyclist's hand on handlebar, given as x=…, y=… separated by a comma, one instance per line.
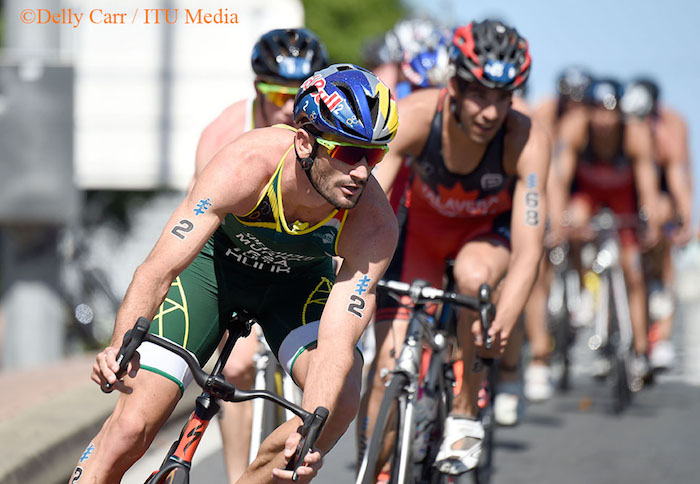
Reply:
x=313, y=461
x=681, y=236
x=105, y=368
x=499, y=339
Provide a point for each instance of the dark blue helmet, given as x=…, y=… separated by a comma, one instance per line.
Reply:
x=285, y=55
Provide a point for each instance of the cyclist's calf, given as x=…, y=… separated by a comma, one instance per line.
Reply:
x=129, y=431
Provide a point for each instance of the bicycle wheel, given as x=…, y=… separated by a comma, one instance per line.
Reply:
x=273, y=415
x=561, y=333
x=266, y=415
x=484, y=469
x=390, y=418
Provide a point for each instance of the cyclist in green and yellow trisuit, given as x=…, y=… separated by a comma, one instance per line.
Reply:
x=282, y=59
x=257, y=232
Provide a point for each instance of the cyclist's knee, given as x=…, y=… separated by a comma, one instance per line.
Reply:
x=128, y=434
x=468, y=281
x=240, y=372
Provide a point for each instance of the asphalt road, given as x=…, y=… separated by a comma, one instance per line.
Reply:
x=572, y=439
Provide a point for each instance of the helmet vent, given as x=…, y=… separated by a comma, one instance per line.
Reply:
x=348, y=94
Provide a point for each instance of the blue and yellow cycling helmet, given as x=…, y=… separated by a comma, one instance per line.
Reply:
x=347, y=101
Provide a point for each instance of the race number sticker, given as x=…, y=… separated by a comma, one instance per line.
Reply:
x=182, y=228
x=88, y=452
x=76, y=475
x=357, y=302
x=532, y=202
x=203, y=205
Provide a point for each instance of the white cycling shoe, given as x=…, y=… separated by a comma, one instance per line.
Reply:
x=458, y=461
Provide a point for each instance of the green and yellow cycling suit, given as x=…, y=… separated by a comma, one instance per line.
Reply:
x=282, y=274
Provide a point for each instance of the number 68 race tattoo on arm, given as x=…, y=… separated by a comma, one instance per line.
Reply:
x=357, y=302
x=532, y=202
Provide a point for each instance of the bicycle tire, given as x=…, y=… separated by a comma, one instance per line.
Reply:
x=273, y=415
x=389, y=403
x=484, y=469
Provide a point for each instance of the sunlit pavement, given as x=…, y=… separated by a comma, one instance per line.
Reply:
x=573, y=438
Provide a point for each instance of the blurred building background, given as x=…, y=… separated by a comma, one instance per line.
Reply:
x=98, y=129
x=99, y=125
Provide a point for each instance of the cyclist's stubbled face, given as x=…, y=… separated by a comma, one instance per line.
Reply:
x=339, y=183
x=481, y=110
x=604, y=120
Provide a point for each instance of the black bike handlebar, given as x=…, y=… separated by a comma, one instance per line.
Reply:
x=217, y=386
x=132, y=340
x=421, y=292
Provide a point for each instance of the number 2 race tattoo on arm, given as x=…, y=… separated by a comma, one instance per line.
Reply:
x=185, y=225
x=357, y=302
x=532, y=202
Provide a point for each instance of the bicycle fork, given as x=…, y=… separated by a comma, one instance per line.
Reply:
x=182, y=451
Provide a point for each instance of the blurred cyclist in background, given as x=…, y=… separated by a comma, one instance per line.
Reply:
x=671, y=154
x=609, y=161
x=413, y=54
x=571, y=86
x=475, y=162
x=282, y=59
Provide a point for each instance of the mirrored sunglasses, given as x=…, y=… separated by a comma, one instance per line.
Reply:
x=353, y=154
x=277, y=95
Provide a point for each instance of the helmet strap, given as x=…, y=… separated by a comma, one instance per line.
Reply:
x=456, y=112
x=306, y=163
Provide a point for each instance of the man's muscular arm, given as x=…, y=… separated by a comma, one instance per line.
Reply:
x=527, y=231
x=679, y=176
x=415, y=115
x=638, y=144
x=564, y=157
x=184, y=235
x=367, y=244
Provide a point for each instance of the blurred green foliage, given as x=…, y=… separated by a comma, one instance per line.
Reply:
x=346, y=25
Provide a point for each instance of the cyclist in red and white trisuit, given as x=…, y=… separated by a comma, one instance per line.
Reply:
x=479, y=175
x=671, y=155
x=608, y=161
x=282, y=59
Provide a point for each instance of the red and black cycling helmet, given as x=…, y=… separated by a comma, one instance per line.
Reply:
x=491, y=53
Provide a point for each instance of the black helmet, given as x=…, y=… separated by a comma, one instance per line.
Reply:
x=604, y=92
x=491, y=53
x=288, y=55
x=573, y=82
x=641, y=98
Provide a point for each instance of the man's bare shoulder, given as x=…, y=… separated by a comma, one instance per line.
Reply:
x=416, y=112
x=231, y=122
x=371, y=225
x=573, y=127
x=673, y=119
x=524, y=136
x=245, y=165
